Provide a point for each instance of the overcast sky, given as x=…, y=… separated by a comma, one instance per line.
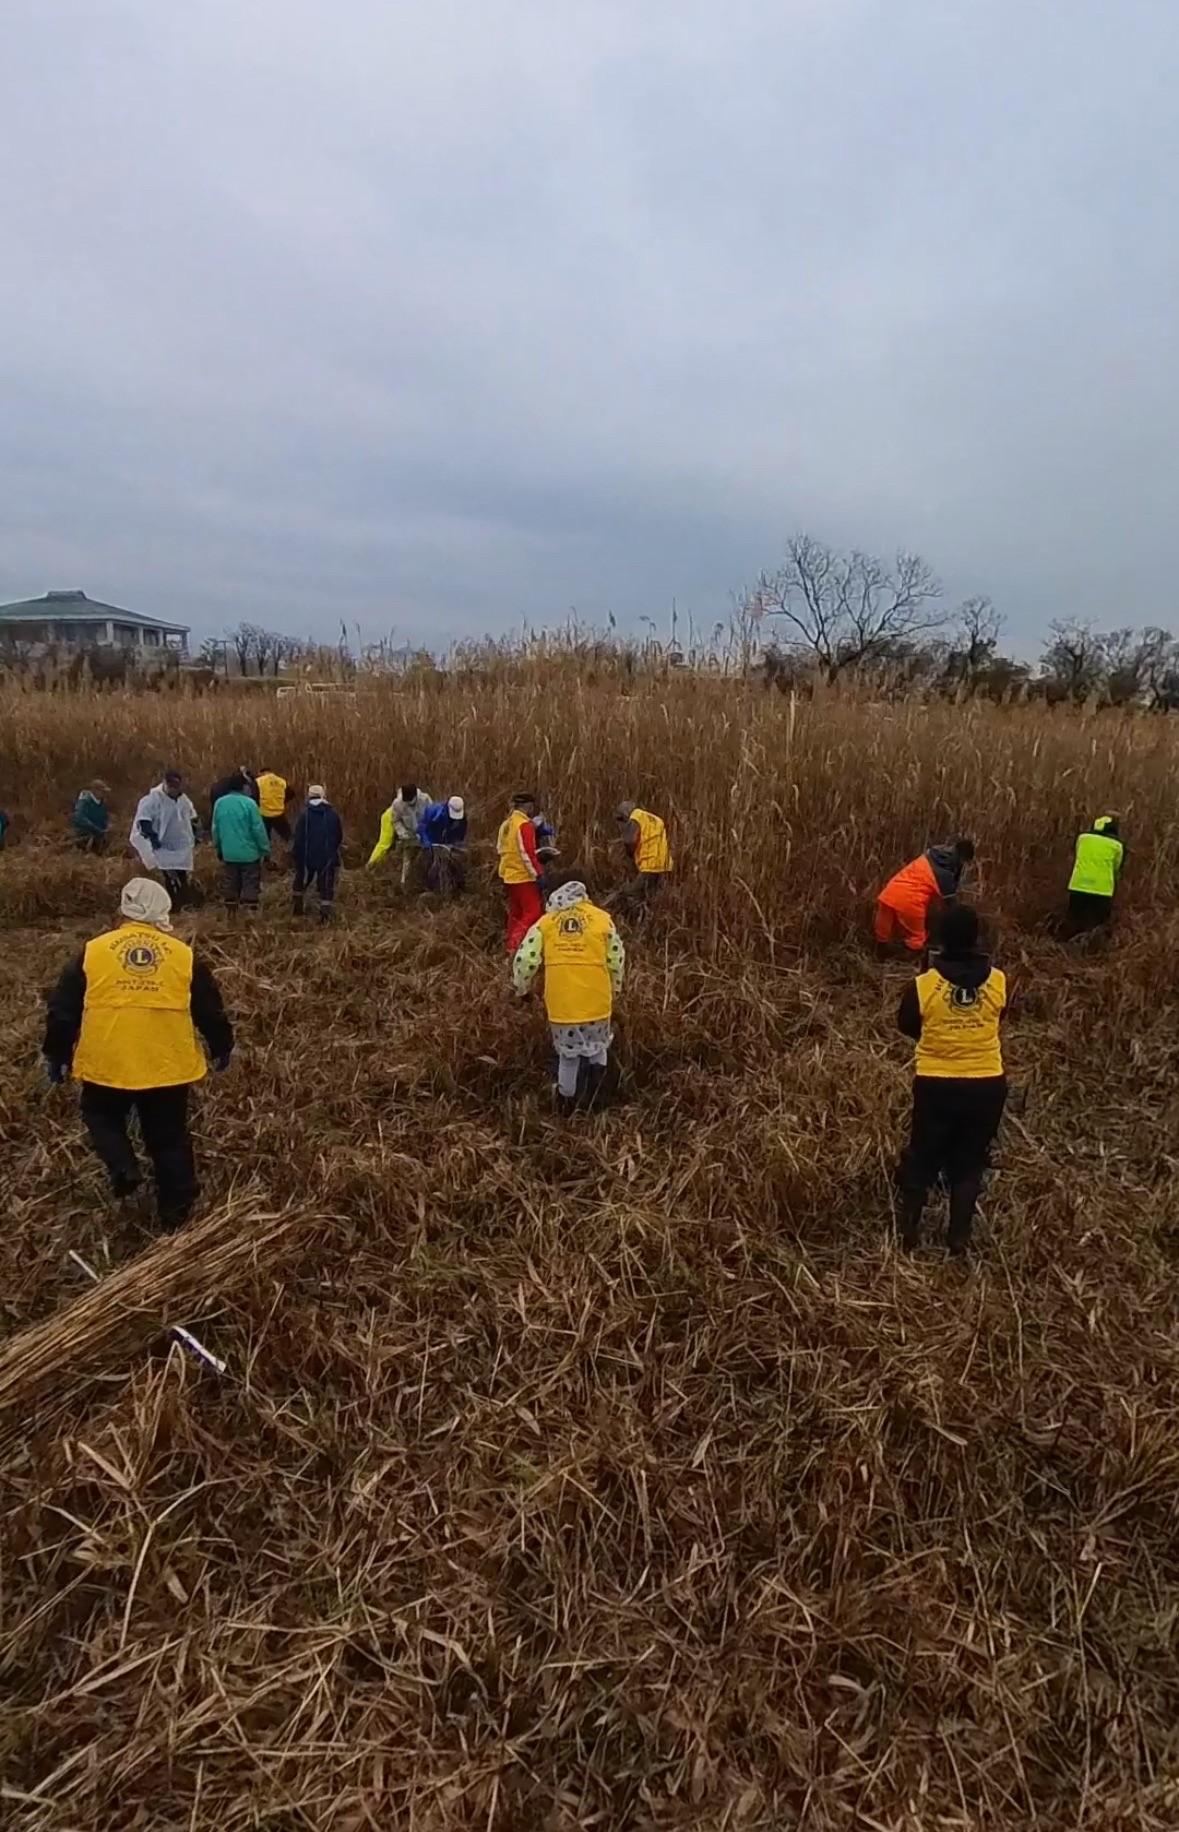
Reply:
x=443, y=316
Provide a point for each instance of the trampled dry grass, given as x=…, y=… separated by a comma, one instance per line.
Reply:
x=616, y=1473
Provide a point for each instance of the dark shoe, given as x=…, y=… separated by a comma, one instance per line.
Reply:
x=589, y=1085
x=123, y=1188
x=298, y=907
x=964, y=1197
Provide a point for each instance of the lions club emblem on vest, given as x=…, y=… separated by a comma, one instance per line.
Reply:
x=141, y=958
x=963, y=997
x=572, y=925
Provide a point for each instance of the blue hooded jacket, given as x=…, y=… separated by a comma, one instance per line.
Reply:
x=438, y=827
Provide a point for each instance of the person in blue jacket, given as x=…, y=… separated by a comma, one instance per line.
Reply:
x=442, y=831
x=315, y=851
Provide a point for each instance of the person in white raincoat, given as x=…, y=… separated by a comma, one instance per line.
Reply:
x=163, y=833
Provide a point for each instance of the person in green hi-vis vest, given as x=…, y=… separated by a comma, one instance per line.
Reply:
x=1097, y=867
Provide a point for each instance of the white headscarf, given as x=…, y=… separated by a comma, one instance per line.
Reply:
x=567, y=895
x=143, y=900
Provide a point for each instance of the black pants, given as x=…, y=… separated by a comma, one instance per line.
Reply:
x=323, y=877
x=163, y=1121
x=1086, y=911
x=176, y=885
x=241, y=884
x=277, y=823
x=90, y=842
x=953, y=1127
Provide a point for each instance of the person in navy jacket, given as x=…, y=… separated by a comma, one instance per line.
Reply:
x=315, y=851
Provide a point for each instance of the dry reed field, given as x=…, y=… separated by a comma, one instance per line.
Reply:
x=616, y=1472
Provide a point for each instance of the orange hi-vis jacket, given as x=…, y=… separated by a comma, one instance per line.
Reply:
x=137, y=1029
x=912, y=889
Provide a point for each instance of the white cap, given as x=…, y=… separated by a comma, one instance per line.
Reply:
x=456, y=807
x=317, y=792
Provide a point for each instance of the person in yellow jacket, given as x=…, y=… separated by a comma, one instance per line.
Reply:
x=124, y=1016
x=644, y=836
x=520, y=868
x=952, y=1012
x=1097, y=867
x=584, y=961
x=273, y=796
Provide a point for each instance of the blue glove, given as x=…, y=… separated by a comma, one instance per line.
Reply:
x=221, y=1063
x=55, y=1072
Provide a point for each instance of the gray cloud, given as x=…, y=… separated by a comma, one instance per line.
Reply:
x=442, y=318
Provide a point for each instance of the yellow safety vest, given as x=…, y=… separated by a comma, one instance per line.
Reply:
x=137, y=1029
x=1097, y=865
x=960, y=1026
x=272, y=795
x=577, y=987
x=512, y=869
x=652, y=854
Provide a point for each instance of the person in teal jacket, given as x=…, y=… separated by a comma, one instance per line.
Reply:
x=241, y=842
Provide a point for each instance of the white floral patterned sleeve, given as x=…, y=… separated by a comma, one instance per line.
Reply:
x=527, y=960
x=615, y=959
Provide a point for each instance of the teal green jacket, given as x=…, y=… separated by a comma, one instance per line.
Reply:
x=239, y=836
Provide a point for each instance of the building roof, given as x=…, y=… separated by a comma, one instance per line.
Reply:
x=76, y=607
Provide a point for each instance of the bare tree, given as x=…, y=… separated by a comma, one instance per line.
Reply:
x=242, y=641
x=212, y=654
x=845, y=609
x=1073, y=661
x=265, y=643
x=1137, y=665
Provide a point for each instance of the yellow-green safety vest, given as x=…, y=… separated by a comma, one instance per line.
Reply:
x=1097, y=865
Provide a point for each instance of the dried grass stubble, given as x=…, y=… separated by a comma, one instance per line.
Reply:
x=621, y=1470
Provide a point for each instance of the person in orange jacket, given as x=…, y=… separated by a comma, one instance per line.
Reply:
x=916, y=892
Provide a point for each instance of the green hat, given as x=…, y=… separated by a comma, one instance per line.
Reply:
x=1104, y=822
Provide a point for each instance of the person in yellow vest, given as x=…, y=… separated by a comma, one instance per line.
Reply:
x=1097, y=867
x=520, y=869
x=645, y=838
x=959, y=1091
x=124, y=1016
x=273, y=796
x=584, y=961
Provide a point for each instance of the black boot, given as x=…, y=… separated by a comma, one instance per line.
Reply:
x=298, y=907
x=963, y=1201
x=912, y=1202
x=589, y=1084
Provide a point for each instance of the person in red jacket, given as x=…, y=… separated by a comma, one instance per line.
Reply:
x=917, y=892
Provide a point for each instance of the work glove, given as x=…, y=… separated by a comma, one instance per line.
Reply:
x=221, y=1063
x=55, y=1073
